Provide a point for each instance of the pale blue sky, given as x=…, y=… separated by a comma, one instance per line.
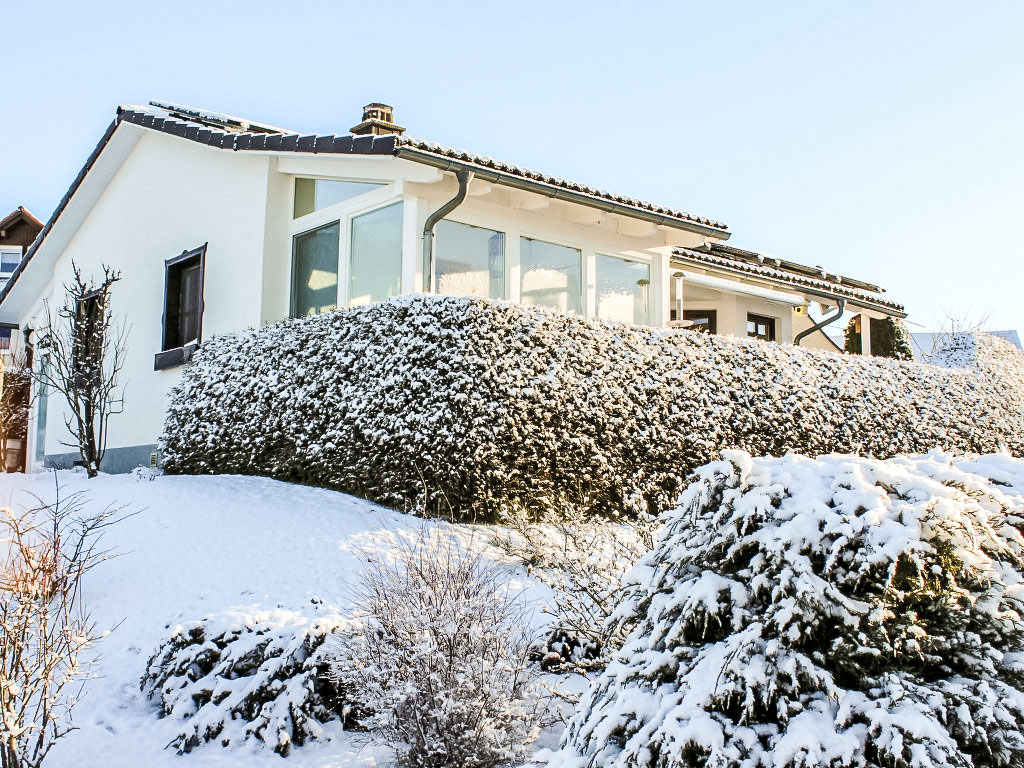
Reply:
x=884, y=140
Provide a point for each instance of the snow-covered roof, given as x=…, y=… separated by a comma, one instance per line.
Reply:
x=807, y=280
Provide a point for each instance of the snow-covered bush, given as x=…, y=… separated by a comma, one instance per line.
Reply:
x=469, y=407
x=832, y=612
x=260, y=678
x=582, y=560
x=439, y=654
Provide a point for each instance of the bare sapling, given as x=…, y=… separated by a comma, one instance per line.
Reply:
x=84, y=353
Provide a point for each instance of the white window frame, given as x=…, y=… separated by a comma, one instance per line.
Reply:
x=343, y=213
x=15, y=249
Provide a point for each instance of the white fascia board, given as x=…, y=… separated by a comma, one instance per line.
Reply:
x=359, y=167
x=721, y=284
x=38, y=273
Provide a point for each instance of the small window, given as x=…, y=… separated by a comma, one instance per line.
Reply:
x=9, y=260
x=760, y=327
x=316, y=194
x=704, y=320
x=550, y=275
x=41, y=402
x=87, y=352
x=5, y=337
x=183, y=299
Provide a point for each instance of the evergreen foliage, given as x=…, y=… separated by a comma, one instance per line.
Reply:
x=841, y=612
x=469, y=408
x=240, y=681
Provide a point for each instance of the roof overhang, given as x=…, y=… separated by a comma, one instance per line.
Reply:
x=35, y=272
x=748, y=289
x=558, y=193
x=819, y=292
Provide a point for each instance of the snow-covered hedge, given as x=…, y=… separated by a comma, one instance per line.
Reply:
x=842, y=612
x=467, y=407
x=261, y=678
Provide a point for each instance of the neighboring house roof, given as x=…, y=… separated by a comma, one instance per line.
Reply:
x=924, y=343
x=786, y=274
x=21, y=212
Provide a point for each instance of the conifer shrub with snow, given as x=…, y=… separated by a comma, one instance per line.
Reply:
x=466, y=407
x=261, y=678
x=833, y=612
x=439, y=653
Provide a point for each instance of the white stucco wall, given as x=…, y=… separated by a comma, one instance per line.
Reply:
x=157, y=195
x=168, y=196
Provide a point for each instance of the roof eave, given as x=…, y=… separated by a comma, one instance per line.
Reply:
x=558, y=193
x=793, y=286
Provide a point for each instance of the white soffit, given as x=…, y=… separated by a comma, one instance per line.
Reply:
x=721, y=284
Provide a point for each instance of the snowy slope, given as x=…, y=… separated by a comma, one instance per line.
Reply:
x=199, y=546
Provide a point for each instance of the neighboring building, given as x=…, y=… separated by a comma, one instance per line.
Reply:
x=924, y=343
x=219, y=223
x=18, y=230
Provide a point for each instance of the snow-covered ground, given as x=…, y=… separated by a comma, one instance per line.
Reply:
x=199, y=546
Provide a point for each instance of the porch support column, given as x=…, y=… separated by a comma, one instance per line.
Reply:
x=865, y=335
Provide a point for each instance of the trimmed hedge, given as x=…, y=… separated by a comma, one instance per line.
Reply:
x=466, y=407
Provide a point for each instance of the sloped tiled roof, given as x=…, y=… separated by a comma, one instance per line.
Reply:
x=228, y=132
x=20, y=212
x=787, y=274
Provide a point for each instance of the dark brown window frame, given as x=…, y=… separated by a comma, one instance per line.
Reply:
x=770, y=322
x=697, y=314
x=169, y=357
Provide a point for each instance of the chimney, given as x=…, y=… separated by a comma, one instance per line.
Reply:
x=378, y=119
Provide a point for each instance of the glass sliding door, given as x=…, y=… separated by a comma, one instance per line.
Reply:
x=550, y=275
x=623, y=289
x=375, y=258
x=315, y=271
x=469, y=261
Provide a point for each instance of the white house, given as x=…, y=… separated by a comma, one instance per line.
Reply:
x=219, y=223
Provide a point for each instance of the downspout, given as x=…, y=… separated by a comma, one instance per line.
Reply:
x=464, y=175
x=841, y=307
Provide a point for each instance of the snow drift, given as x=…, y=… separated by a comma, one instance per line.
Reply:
x=832, y=612
x=466, y=407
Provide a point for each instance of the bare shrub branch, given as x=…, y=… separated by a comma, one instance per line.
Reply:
x=45, y=629
x=85, y=351
x=439, y=647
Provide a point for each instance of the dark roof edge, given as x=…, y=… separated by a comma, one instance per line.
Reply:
x=226, y=132
x=90, y=161
x=558, y=192
x=808, y=286
x=21, y=210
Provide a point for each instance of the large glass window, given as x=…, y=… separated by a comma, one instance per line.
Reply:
x=375, y=259
x=315, y=271
x=623, y=289
x=316, y=194
x=469, y=261
x=550, y=275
